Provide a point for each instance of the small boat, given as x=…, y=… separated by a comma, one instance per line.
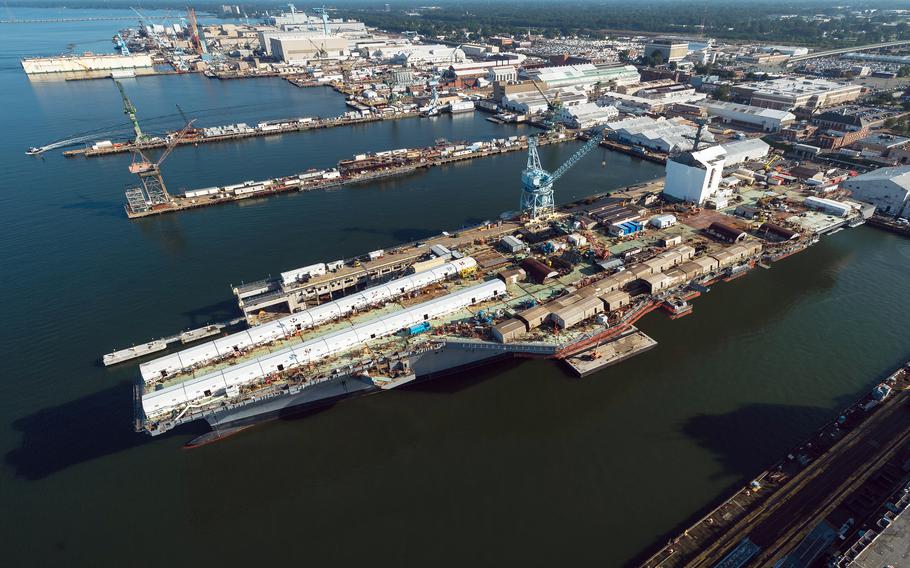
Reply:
x=33, y=151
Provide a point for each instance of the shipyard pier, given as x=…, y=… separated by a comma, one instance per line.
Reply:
x=624, y=361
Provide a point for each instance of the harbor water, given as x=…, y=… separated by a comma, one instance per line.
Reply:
x=517, y=463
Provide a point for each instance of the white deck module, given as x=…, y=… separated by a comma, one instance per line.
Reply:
x=162, y=367
x=216, y=383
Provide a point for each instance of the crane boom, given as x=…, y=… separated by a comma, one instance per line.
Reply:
x=130, y=111
x=539, y=90
x=173, y=143
x=588, y=146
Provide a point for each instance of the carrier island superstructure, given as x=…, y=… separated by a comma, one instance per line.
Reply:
x=555, y=287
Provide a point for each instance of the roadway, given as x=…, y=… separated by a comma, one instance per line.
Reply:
x=830, y=52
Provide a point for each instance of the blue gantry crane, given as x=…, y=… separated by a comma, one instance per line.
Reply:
x=537, y=183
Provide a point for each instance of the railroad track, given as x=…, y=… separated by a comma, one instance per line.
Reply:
x=791, y=539
x=783, y=496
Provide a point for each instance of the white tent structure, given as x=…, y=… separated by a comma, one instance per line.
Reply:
x=163, y=367
x=218, y=382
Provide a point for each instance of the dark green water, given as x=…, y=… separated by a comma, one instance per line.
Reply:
x=515, y=464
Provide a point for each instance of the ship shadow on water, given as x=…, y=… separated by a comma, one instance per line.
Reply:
x=98, y=208
x=94, y=426
x=405, y=235
x=459, y=381
x=746, y=442
x=212, y=313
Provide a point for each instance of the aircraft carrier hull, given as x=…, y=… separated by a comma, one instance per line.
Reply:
x=425, y=366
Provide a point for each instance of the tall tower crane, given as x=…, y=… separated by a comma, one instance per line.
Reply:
x=325, y=19
x=537, y=183
x=194, y=30
x=130, y=111
x=153, y=191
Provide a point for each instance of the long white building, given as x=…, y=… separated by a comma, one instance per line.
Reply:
x=418, y=54
x=218, y=383
x=209, y=351
x=765, y=119
x=586, y=115
x=586, y=75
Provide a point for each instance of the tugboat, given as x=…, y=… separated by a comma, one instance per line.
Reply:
x=676, y=307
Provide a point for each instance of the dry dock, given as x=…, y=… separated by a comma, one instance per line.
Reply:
x=269, y=129
x=630, y=343
x=362, y=168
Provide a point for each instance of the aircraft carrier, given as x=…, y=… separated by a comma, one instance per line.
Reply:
x=565, y=283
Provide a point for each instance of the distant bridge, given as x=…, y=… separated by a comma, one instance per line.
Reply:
x=62, y=20
x=830, y=52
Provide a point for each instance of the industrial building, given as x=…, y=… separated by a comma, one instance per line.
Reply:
x=695, y=176
x=505, y=72
x=585, y=75
x=585, y=115
x=829, y=206
x=745, y=151
x=765, y=119
x=661, y=135
x=419, y=54
x=650, y=101
x=886, y=188
x=531, y=101
x=299, y=21
x=669, y=49
x=297, y=49
x=502, y=73
x=788, y=93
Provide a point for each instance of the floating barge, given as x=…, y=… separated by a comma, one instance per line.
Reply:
x=628, y=344
x=156, y=345
x=237, y=132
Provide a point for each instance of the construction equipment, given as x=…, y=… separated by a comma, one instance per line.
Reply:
x=553, y=105
x=771, y=160
x=432, y=107
x=537, y=183
x=124, y=50
x=321, y=51
x=153, y=191
x=130, y=111
x=696, y=140
x=194, y=28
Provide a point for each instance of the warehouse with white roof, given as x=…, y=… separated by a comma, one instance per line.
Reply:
x=748, y=116
x=661, y=135
x=886, y=188
x=585, y=115
x=745, y=151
